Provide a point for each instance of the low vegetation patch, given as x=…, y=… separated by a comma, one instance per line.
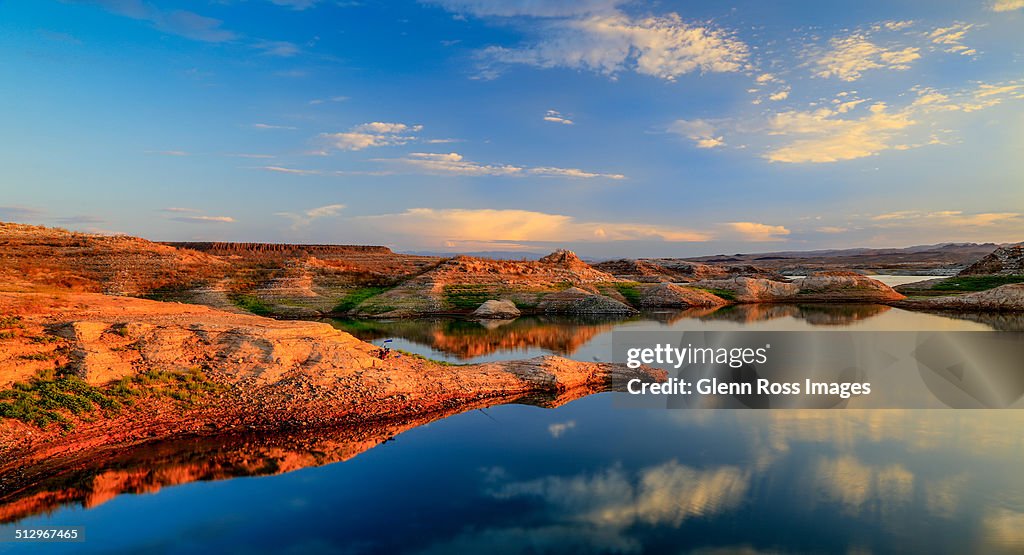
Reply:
x=55, y=398
x=467, y=296
x=253, y=304
x=721, y=293
x=356, y=297
x=975, y=283
x=428, y=359
x=630, y=291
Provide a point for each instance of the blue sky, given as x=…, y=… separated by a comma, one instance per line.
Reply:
x=613, y=128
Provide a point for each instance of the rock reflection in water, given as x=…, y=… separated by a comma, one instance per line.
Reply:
x=93, y=478
x=467, y=339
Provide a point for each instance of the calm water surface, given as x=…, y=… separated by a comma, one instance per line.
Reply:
x=589, y=477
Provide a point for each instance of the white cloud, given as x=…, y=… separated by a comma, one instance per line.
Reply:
x=897, y=25
x=270, y=126
x=665, y=47
x=530, y=8
x=1006, y=5
x=316, y=101
x=555, y=117
x=950, y=38
x=374, y=134
x=439, y=226
x=573, y=172
x=558, y=429
x=826, y=137
x=847, y=127
x=204, y=219
x=306, y=217
x=780, y=95
x=757, y=232
x=296, y=4
x=848, y=57
x=701, y=132
x=946, y=218
x=293, y=171
x=182, y=23
x=277, y=48
x=453, y=163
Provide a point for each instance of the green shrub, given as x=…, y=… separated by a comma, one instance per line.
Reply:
x=975, y=283
x=630, y=291
x=253, y=304
x=467, y=296
x=356, y=297
x=722, y=293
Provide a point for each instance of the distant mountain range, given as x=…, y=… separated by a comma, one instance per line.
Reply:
x=940, y=259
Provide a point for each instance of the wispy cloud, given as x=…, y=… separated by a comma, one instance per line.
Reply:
x=296, y=4
x=758, y=232
x=270, y=126
x=79, y=220
x=610, y=42
x=306, y=217
x=1006, y=5
x=204, y=219
x=701, y=132
x=453, y=163
x=316, y=101
x=292, y=171
x=950, y=39
x=179, y=210
x=432, y=226
x=558, y=429
x=277, y=48
x=527, y=8
x=850, y=127
x=554, y=116
x=168, y=152
x=848, y=57
x=374, y=134
x=182, y=23
x=19, y=213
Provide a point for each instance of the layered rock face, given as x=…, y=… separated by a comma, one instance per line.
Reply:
x=1004, y=261
x=675, y=270
x=36, y=257
x=500, y=310
x=668, y=295
x=462, y=283
x=844, y=286
x=272, y=373
x=577, y=301
x=750, y=290
x=1004, y=298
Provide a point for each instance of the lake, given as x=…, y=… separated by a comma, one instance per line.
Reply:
x=587, y=476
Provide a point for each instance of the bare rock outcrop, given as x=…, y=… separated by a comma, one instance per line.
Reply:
x=1004, y=261
x=494, y=309
x=1006, y=298
x=636, y=270
x=750, y=290
x=669, y=295
x=844, y=286
x=577, y=301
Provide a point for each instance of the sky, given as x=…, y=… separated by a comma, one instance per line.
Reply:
x=610, y=127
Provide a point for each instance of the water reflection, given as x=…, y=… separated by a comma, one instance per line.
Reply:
x=466, y=339
x=92, y=478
